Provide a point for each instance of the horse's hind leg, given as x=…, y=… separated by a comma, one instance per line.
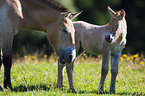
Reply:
x=114, y=70
x=1, y=55
x=104, y=71
x=7, y=62
x=0, y=59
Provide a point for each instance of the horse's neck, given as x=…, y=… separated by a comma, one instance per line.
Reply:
x=38, y=15
x=81, y=25
x=101, y=29
x=122, y=30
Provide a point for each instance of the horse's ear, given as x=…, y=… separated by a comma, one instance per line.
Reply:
x=65, y=14
x=122, y=13
x=75, y=14
x=111, y=11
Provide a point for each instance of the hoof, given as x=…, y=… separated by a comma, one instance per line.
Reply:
x=71, y=91
x=112, y=91
x=60, y=87
x=101, y=92
x=8, y=87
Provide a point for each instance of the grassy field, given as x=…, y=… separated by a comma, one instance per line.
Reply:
x=32, y=76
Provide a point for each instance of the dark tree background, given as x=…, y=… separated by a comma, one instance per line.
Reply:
x=95, y=12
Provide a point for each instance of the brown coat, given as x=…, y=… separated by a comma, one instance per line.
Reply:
x=43, y=15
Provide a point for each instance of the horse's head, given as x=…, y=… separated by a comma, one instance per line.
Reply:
x=117, y=25
x=62, y=38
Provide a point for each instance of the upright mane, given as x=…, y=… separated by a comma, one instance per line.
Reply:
x=55, y=4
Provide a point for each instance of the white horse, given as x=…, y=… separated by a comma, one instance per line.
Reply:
x=107, y=40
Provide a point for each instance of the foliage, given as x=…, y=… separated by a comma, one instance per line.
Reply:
x=95, y=12
x=69, y=4
x=31, y=42
x=38, y=76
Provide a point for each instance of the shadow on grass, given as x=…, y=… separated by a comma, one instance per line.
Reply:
x=108, y=92
x=47, y=87
x=25, y=88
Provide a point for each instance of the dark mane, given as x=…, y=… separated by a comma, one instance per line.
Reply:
x=55, y=4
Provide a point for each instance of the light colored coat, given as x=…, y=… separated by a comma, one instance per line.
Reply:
x=107, y=40
x=91, y=38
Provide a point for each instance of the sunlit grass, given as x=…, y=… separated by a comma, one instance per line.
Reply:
x=31, y=75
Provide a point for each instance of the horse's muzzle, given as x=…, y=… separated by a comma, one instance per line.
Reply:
x=68, y=56
x=109, y=37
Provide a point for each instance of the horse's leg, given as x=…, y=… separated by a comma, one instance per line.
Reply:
x=7, y=61
x=114, y=70
x=1, y=55
x=69, y=69
x=0, y=58
x=104, y=71
x=60, y=75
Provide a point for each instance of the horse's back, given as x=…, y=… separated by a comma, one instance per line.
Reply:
x=82, y=24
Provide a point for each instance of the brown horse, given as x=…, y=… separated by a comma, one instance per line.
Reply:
x=107, y=40
x=44, y=15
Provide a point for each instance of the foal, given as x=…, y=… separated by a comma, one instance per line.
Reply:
x=107, y=40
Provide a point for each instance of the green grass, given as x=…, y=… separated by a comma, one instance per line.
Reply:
x=31, y=76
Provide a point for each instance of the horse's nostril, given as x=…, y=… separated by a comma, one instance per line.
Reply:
x=62, y=60
x=70, y=57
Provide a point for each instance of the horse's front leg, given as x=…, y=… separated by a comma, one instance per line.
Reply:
x=1, y=52
x=104, y=71
x=7, y=61
x=60, y=75
x=114, y=70
x=0, y=58
x=69, y=69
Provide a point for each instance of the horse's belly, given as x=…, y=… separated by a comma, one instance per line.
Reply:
x=92, y=46
x=94, y=52
x=92, y=42
x=92, y=49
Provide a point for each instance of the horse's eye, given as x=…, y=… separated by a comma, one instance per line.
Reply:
x=63, y=30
